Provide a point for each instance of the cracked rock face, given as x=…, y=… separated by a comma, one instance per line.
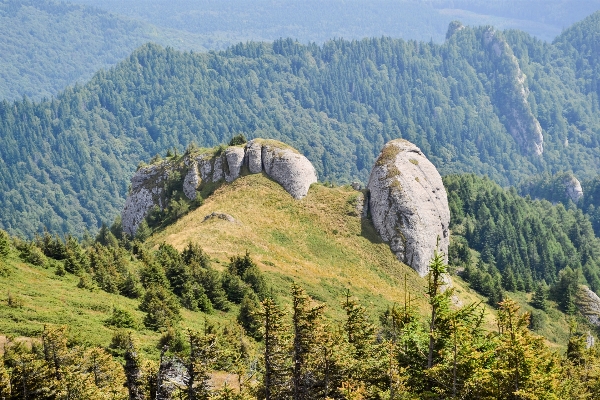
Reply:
x=146, y=191
x=281, y=163
x=408, y=204
x=290, y=169
x=573, y=188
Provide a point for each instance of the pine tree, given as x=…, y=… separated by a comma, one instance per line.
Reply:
x=538, y=300
x=305, y=323
x=276, y=353
x=203, y=354
x=133, y=371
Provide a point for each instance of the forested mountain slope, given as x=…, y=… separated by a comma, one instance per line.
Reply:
x=502, y=104
x=48, y=45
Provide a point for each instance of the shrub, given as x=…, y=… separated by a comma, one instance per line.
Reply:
x=161, y=308
x=238, y=140
x=4, y=244
x=121, y=319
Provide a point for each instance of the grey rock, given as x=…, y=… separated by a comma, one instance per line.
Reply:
x=223, y=216
x=289, y=168
x=218, y=172
x=588, y=303
x=520, y=121
x=235, y=160
x=573, y=188
x=408, y=204
x=283, y=164
x=254, y=156
x=191, y=182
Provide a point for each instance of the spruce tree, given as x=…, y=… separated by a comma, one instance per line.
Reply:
x=4, y=244
x=133, y=371
x=276, y=379
x=305, y=323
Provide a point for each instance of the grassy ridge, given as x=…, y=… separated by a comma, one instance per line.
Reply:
x=320, y=242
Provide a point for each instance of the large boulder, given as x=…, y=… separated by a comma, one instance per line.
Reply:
x=408, y=204
x=573, y=188
x=289, y=168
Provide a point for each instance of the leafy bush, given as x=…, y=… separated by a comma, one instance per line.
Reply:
x=161, y=308
x=121, y=319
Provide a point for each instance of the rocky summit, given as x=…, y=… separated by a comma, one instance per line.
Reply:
x=408, y=204
x=280, y=162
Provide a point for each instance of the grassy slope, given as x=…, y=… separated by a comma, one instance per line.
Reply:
x=319, y=241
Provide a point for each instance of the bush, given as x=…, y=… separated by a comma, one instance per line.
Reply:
x=4, y=244
x=161, y=308
x=121, y=319
x=33, y=255
x=238, y=140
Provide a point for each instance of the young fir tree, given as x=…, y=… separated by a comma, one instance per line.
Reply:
x=307, y=333
x=133, y=371
x=438, y=301
x=276, y=378
x=203, y=354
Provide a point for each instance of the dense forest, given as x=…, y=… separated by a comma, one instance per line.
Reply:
x=48, y=45
x=337, y=103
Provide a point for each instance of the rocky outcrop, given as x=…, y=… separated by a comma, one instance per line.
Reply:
x=408, y=204
x=289, y=168
x=280, y=162
x=588, y=303
x=573, y=188
x=223, y=216
x=519, y=119
x=147, y=187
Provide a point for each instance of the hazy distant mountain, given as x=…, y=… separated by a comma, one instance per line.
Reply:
x=226, y=22
x=47, y=45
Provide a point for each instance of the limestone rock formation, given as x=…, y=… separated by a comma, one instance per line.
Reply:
x=280, y=162
x=520, y=121
x=289, y=168
x=408, y=204
x=573, y=188
x=588, y=303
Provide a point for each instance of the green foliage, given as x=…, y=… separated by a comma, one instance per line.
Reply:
x=249, y=316
x=161, y=308
x=522, y=242
x=4, y=244
x=238, y=140
x=371, y=91
x=121, y=318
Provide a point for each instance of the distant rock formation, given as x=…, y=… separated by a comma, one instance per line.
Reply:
x=573, y=189
x=408, y=204
x=588, y=303
x=280, y=162
x=520, y=121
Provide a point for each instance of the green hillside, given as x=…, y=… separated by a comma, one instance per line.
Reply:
x=101, y=289
x=337, y=103
x=48, y=45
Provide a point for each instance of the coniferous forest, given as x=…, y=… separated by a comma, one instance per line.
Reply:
x=338, y=103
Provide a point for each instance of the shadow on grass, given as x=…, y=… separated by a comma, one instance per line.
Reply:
x=367, y=230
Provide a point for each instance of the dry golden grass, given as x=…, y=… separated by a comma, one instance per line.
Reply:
x=319, y=242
